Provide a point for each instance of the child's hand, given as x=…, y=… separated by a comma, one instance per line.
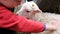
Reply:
x=51, y=27
x=57, y=22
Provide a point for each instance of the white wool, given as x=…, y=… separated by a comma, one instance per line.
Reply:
x=48, y=18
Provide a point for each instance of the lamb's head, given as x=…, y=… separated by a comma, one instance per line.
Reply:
x=29, y=9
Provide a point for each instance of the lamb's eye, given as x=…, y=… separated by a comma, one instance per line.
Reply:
x=28, y=11
x=32, y=5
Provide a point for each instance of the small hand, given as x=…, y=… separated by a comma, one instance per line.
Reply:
x=51, y=27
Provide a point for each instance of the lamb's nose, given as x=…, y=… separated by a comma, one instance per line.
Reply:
x=36, y=11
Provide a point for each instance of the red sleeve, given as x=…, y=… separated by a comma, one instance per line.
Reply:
x=18, y=23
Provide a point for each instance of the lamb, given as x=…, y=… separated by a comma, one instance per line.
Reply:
x=38, y=15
